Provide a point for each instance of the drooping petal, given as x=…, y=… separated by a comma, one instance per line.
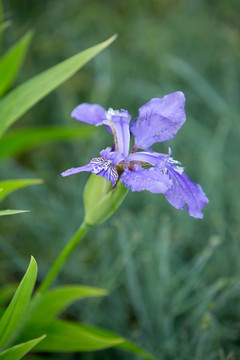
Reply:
x=119, y=123
x=77, y=170
x=151, y=179
x=153, y=158
x=159, y=120
x=98, y=166
x=185, y=192
x=89, y=113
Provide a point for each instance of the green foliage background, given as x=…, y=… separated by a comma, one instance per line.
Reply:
x=174, y=281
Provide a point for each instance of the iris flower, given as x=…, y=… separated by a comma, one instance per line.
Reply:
x=141, y=168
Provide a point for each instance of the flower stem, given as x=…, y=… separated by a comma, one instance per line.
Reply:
x=66, y=252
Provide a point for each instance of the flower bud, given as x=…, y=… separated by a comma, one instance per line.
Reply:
x=100, y=200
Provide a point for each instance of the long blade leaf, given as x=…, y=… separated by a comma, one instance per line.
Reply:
x=16, y=142
x=56, y=300
x=18, y=351
x=15, y=312
x=12, y=212
x=11, y=62
x=8, y=186
x=125, y=345
x=21, y=99
x=65, y=336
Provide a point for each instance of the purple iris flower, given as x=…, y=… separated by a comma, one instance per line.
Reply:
x=143, y=169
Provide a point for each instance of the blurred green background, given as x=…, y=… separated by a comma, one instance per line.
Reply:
x=174, y=281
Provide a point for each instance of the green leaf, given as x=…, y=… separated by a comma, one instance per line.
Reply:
x=100, y=200
x=66, y=336
x=125, y=345
x=9, y=186
x=6, y=292
x=12, y=212
x=135, y=349
x=18, y=351
x=21, y=140
x=21, y=99
x=11, y=62
x=55, y=301
x=17, y=308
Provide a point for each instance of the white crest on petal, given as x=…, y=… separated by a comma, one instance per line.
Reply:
x=177, y=168
x=111, y=112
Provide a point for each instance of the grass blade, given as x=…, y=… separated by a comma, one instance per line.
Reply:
x=56, y=300
x=11, y=62
x=21, y=99
x=18, y=351
x=12, y=212
x=65, y=336
x=21, y=140
x=9, y=186
x=15, y=312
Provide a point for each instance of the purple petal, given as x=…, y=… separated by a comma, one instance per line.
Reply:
x=159, y=120
x=119, y=123
x=184, y=191
x=105, y=168
x=114, y=156
x=151, y=179
x=153, y=158
x=77, y=170
x=98, y=166
x=89, y=113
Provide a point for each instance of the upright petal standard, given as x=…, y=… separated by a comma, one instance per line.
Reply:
x=159, y=120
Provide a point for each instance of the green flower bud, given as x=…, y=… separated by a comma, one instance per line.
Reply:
x=101, y=200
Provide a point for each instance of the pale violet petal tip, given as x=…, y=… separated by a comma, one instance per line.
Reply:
x=77, y=170
x=89, y=113
x=97, y=166
x=185, y=192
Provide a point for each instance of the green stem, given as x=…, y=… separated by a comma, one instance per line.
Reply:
x=53, y=272
x=58, y=264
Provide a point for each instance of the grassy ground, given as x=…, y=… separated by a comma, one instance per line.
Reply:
x=174, y=281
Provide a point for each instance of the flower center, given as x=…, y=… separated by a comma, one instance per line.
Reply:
x=100, y=164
